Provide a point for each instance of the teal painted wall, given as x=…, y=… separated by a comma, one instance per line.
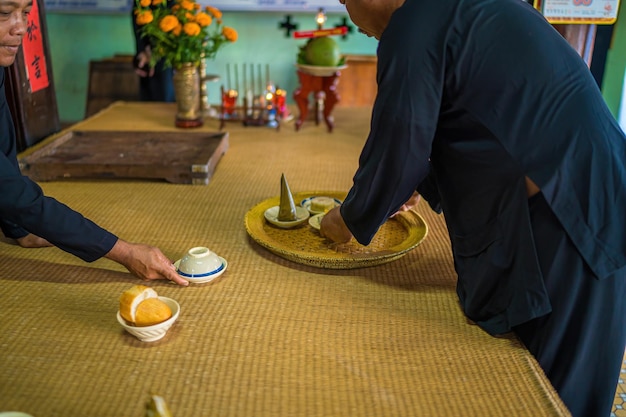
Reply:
x=76, y=39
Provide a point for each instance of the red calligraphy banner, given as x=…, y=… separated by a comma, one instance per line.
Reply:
x=342, y=30
x=34, y=54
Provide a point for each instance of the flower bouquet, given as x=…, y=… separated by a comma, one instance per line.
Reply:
x=182, y=34
x=181, y=31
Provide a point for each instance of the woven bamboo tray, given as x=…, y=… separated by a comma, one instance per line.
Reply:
x=305, y=245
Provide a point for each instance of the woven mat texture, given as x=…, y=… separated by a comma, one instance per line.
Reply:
x=270, y=337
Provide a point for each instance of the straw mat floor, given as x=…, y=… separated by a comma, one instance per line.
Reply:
x=619, y=405
x=271, y=337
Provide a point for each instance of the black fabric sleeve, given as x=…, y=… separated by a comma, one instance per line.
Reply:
x=24, y=208
x=396, y=155
x=430, y=192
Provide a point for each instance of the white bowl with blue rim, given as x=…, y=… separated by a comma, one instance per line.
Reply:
x=200, y=265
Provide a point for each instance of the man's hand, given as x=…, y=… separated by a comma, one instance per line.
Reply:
x=146, y=262
x=33, y=241
x=142, y=63
x=334, y=228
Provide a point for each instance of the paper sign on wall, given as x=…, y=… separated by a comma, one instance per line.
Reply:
x=579, y=11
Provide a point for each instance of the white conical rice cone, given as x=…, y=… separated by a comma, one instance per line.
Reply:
x=287, y=208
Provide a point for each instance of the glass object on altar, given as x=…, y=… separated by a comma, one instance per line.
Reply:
x=320, y=18
x=258, y=103
x=229, y=98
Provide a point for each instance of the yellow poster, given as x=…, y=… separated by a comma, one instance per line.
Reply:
x=579, y=11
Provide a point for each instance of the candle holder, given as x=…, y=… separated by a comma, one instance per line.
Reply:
x=265, y=108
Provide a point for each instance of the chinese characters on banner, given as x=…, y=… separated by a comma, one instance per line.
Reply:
x=579, y=11
x=34, y=54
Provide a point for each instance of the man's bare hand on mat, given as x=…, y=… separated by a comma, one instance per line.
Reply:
x=334, y=228
x=33, y=241
x=146, y=262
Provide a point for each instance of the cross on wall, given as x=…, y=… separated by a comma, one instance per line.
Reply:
x=287, y=26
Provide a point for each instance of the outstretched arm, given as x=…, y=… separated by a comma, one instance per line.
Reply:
x=145, y=262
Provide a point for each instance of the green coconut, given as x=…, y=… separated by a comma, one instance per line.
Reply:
x=322, y=51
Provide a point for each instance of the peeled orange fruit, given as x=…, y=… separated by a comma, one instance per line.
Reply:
x=152, y=311
x=141, y=306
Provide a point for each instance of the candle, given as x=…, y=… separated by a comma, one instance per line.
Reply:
x=245, y=82
x=252, y=77
x=228, y=76
x=236, y=77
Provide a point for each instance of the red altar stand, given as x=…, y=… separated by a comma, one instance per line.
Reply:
x=324, y=89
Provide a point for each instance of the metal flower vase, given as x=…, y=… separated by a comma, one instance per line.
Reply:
x=187, y=91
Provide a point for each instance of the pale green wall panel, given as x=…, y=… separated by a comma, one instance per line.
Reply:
x=75, y=39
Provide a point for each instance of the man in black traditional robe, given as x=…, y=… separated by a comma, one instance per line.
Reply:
x=487, y=112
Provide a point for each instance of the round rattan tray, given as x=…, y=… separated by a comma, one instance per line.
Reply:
x=304, y=244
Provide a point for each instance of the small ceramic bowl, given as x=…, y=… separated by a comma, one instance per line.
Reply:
x=316, y=221
x=307, y=203
x=200, y=265
x=271, y=215
x=156, y=331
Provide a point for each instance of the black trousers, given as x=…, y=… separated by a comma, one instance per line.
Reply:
x=580, y=344
x=159, y=87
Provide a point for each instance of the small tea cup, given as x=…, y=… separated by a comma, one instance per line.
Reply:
x=200, y=262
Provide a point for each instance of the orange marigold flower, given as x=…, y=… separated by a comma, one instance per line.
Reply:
x=214, y=11
x=191, y=28
x=176, y=33
x=144, y=17
x=187, y=5
x=168, y=23
x=230, y=34
x=203, y=19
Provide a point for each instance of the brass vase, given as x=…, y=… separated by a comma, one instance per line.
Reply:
x=187, y=91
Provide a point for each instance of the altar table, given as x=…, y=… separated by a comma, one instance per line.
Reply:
x=271, y=337
x=324, y=91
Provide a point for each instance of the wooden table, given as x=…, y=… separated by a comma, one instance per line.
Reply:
x=324, y=90
x=271, y=337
